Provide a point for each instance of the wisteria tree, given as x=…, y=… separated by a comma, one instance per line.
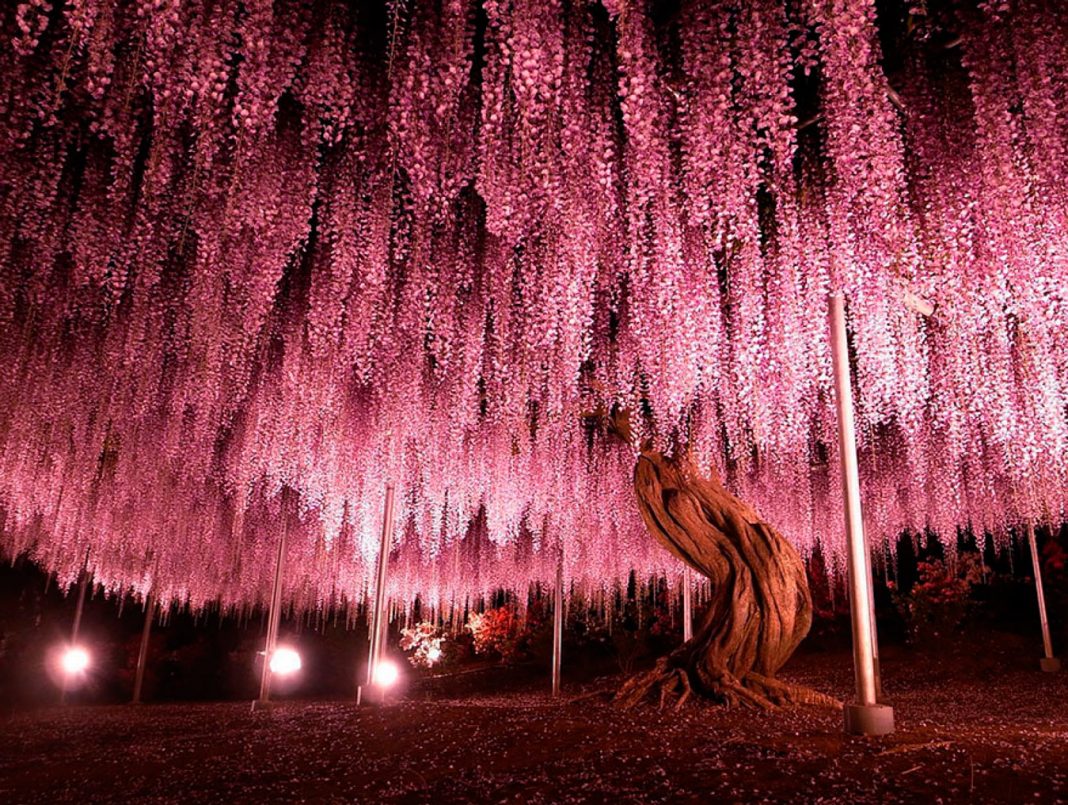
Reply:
x=761, y=607
x=249, y=246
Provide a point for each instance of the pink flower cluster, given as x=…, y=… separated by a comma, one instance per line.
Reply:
x=258, y=259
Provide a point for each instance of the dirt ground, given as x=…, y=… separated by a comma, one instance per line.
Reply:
x=969, y=730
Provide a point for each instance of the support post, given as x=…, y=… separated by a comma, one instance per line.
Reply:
x=866, y=716
x=142, y=653
x=874, y=628
x=274, y=618
x=79, y=607
x=1048, y=662
x=558, y=623
x=687, y=605
x=83, y=583
x=380, y=616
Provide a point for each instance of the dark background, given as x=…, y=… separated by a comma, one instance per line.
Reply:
x=214, y=656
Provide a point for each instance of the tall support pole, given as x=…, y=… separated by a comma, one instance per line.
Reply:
x=274, y=618
x=79, y=608
x=142, y=652
x=380, y=616
x=874, y=629
x=1048, y=662
x=558, y=623
x=687, y=605
x=866, y=716
x=83, y=583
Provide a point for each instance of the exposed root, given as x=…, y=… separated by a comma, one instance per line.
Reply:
x=639, y=686
x=687, y=689
x=755, y=690
x=606, y=693
x=787, y=693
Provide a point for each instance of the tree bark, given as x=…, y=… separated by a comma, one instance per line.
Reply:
x=761, y=607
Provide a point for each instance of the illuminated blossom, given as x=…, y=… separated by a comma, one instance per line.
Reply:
x=258, y=259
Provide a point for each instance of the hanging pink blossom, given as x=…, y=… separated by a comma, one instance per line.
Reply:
x=259, y=259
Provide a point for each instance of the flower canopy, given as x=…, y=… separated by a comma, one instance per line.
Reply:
x=259, y=259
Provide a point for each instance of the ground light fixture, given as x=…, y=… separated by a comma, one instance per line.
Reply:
x=285, y=661
x=74, y=661
x=386, y=674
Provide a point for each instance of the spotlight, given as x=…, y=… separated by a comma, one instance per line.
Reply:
x=285, y=661
x=74, y=660
x=386, y=673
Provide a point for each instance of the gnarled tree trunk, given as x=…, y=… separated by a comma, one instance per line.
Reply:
x=761, y=607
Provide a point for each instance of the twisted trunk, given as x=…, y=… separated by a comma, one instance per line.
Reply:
x=761, y=607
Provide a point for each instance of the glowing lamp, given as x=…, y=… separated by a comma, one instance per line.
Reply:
x=74, y=660
x=433, y=654
x=386, y=673
x=285, y=661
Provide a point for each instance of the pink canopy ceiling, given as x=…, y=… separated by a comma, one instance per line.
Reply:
x=259, y=258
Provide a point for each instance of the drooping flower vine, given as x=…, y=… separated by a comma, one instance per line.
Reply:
x=259, y=259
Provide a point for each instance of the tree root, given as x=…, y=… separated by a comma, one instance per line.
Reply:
x=787, y=693
x=754, y=690
x=606, y=693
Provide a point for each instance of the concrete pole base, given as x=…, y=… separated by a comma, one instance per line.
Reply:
x=372, y=694
x=869, y=719
x=1050, y=665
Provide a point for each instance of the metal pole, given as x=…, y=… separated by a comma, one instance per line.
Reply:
x=76, y=626
x=874, y=629
x=558, y=623
x=1049, y=662
x=274, y=618
x=83, y=581
x=378, y=623
x=142, y=654
x=687, y=605
x=867, y=716
x=79, y=607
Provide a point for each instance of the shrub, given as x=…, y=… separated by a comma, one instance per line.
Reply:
x=425, y=642
x=938, y=602
x=498, y=631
